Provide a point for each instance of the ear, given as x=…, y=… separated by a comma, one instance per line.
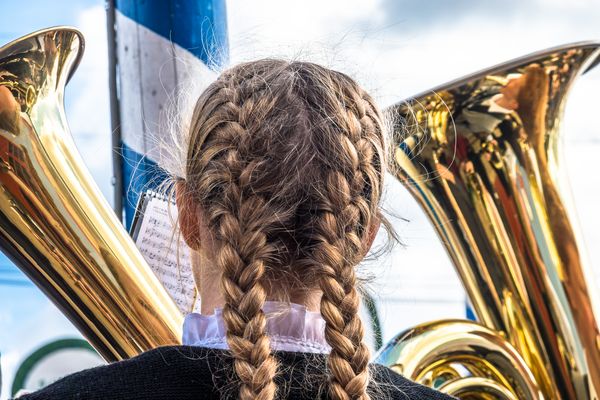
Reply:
x=188, y=216
x=370, y=238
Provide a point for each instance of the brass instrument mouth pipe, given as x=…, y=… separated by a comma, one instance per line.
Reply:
x=54, y=222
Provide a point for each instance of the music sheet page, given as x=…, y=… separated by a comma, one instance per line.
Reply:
x=166, y=253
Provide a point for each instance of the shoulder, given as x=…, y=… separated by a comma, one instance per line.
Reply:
x=185, y=372
x=301, y=376
x=387, y=384
x=166, y=372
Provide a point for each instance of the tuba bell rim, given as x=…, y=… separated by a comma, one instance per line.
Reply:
x=6, y=49
x=511, y=64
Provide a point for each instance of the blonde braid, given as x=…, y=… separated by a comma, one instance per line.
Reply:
x=240, y=220
x=346, y=212
x=242, y=260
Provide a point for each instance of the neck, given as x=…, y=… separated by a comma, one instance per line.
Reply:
x=208, y=284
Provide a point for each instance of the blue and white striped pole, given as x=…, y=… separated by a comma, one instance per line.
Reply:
x=153, y=37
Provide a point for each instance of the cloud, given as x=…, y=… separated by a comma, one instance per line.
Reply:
x=406, y=15
x=411, y=16
x=399, y=48
x=10, y=362
x=365, y=39
x=87, y=100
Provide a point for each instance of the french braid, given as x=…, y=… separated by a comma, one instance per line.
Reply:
x=346, y=209
x=286, y=160
x=240, y=220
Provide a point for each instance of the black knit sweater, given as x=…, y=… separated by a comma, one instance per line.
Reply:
x=184, y=372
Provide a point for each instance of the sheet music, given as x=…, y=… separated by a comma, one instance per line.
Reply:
x=157, y=241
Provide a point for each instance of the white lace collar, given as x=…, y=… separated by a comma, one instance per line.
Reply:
x=290, y=326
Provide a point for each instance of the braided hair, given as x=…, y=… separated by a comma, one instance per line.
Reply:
x=286, y=161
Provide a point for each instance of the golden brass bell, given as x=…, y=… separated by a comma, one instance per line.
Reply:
x=482, y=157
x=54, y=222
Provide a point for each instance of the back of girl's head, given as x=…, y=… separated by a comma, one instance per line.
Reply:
x=286, y=161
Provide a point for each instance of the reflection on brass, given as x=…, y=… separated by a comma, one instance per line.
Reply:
x=482, y=157
x=463, y=359
x=55, y=223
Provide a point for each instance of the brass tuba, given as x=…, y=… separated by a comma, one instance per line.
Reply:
x=482, y=157
x=54, y=222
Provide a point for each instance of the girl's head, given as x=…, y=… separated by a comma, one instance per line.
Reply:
x=283, y=180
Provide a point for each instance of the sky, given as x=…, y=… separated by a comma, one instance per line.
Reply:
x=395, y=48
